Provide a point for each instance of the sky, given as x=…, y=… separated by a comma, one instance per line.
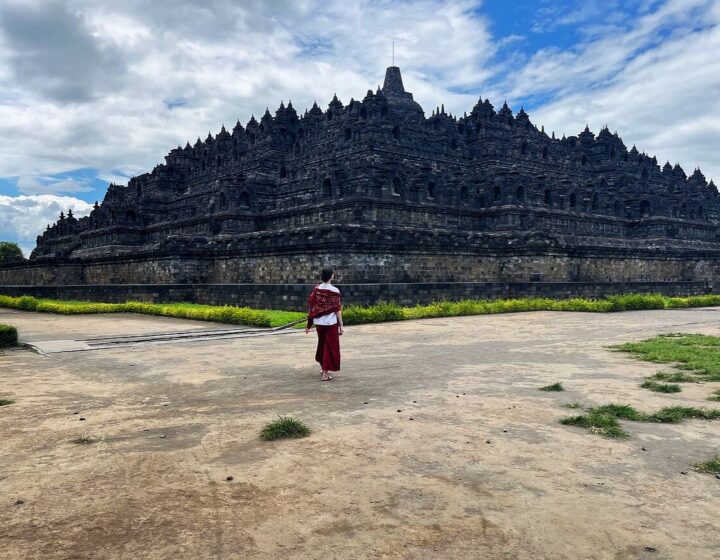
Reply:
x=98, y=91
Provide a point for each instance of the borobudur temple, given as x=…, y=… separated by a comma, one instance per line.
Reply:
x=405, y=207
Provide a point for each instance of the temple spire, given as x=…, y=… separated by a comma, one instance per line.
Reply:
x=393, y=83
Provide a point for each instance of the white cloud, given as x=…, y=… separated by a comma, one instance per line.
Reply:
x=51, y=185
x=24, y=217
x=656, y=84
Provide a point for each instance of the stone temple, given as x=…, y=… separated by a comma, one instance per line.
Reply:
x=405, y=207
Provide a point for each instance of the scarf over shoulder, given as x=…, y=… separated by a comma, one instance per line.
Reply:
x=322, y=302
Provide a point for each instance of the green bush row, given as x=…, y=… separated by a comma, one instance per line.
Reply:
x=221, y=314
x=8, y=336
x=357, y=314
x=391, y=312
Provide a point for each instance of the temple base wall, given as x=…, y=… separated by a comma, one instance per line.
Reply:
x=360, y=268
x=280, y=279
x=294, y=296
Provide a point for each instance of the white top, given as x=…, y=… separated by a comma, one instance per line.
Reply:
x=330, y=318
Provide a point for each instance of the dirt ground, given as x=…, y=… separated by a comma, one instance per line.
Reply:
x=432, y=443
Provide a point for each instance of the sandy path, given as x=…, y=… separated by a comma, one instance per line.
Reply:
x=172, y=421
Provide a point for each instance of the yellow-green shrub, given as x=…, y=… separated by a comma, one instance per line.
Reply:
x=358, y=314
x=8, y=336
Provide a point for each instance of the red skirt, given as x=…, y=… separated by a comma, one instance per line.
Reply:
x=328, y=348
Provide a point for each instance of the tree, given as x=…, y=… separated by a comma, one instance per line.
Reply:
x=10, y=252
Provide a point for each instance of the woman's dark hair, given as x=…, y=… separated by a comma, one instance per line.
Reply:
x=326, y=274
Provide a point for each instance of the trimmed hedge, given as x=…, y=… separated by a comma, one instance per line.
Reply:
x=391, y=312
x=221, y=314
x=356, y=314
x=8, y=336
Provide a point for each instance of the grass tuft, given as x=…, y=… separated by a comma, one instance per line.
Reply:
x=674, y=376
x=572, y=405
x=623, y=411
x=284, y=427
x=676, y=414
x=712, y=466
x=6, y=402
x=8, y=336
x=83, y=440
x=660, y=387
x=596, y=422
x=715, y=396
x=553, y=387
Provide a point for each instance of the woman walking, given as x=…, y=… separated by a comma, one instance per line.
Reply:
x=325, y=312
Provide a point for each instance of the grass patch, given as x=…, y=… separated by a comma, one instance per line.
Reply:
x=623, y=411
x=697, y=353
x=715, y=396
x=284, y=427
x=674, y=376
x=8, y=336
x=357, y=314
x=660, y=387
x=6, y=402
x=553, y=387
x=712, y=466
x=597, y=423
x=676, y=414
x=603, y=420
x=82, y=440
x=572, y=405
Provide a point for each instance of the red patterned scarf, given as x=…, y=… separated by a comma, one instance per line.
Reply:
x=322, y=302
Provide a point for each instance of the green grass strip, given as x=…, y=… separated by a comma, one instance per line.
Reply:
x=357, y=314
x=676, y=414
x=603, y=420
x=220, y=314
x=660, y=387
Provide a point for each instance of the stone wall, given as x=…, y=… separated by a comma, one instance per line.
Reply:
x=294, y=296
x=357, y=266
